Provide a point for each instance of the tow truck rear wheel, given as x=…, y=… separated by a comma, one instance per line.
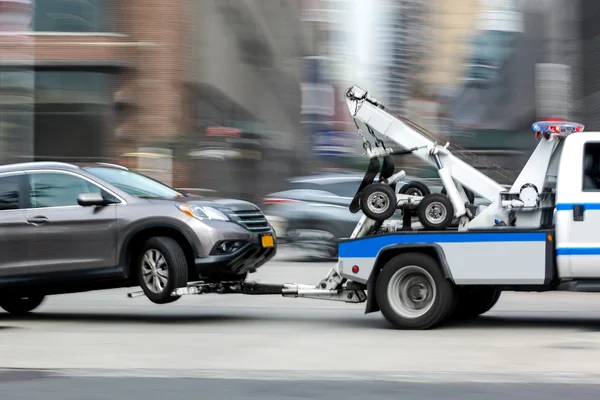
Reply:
x=435, y=212
x=412, y=292
x=474, y=301
x=378, y=201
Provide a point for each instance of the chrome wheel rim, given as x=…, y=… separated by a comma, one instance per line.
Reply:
x=378, y=202
x=154, y=271
x=436, y=212
x=411, y=292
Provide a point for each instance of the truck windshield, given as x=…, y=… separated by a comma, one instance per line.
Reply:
x=135, y=184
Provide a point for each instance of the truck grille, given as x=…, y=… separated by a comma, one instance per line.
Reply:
x=252, y=220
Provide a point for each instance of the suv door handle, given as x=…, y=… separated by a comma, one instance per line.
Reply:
x=577, y=213
x=39, y=220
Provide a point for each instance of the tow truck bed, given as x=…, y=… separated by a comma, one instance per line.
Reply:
x=497, y=256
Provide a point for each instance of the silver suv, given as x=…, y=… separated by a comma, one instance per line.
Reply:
x=68, y=228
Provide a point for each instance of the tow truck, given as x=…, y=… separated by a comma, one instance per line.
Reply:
x=539, y=235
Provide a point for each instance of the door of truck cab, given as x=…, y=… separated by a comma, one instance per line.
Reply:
x=577, y=218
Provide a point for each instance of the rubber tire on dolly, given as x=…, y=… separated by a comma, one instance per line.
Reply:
x=410, y=188
x=177, y=268
x=444, y=202
x=21, y=305
x=474, y=301
x=387, y=192
x=442, y=304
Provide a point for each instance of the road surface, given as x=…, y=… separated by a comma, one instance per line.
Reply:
x=103, y=339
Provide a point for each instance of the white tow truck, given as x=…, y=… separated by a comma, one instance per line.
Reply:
x=537, y=236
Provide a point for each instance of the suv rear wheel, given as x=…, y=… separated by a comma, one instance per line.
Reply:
x=21, y=305
x=162, y=268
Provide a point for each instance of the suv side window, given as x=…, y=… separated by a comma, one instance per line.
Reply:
x=55, y=189
x=591, y=167
x=9, y=192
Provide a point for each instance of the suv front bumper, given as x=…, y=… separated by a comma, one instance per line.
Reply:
x=244, y=256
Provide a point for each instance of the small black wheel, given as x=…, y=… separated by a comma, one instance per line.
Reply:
x=378, y=201
x=474, y=301
x=21, y=305
x=162, y=268
x=415, y=189
x=435, y=211
x=470, y=195
x=413, y=293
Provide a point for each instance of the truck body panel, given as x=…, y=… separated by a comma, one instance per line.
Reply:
x=577, y=217
x=524, y=257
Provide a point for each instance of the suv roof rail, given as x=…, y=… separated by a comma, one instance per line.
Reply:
x=113, y=165
x=34, y=164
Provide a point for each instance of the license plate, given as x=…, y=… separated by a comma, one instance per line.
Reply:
x=267, y=241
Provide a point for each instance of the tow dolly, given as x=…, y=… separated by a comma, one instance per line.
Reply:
x=540, y=235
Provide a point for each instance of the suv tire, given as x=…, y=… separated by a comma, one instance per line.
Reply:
x=21, y=305
x=162, y=268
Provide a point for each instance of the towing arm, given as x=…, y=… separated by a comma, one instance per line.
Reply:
x=370, y=113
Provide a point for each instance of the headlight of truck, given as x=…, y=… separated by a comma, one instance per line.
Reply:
x=202, y=212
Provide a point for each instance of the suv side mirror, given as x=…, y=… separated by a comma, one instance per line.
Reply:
x=92, y=199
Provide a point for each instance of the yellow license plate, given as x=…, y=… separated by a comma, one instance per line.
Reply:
x=267, y=241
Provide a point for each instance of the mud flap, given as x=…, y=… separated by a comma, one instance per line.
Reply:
x=372, y=171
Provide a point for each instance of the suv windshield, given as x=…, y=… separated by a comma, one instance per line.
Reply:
x=134, y=184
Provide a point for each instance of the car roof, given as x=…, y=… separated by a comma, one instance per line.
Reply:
x=56, y=165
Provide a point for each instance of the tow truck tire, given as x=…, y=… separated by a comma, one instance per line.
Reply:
x=474, y=301
x=435, y=212
x=21, y=305
x=415, y=189
x=162, y=268
x=378, y=201
x=412, y=292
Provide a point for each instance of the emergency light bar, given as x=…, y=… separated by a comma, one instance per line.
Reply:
x=551, y=129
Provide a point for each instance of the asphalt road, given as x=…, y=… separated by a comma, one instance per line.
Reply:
x=268, y=347
x=52, y=388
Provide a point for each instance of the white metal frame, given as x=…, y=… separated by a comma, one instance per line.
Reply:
x=455, y=174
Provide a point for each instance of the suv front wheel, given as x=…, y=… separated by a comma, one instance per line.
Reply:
x=162, y=268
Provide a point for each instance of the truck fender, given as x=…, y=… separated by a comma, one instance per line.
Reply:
x=388, y=252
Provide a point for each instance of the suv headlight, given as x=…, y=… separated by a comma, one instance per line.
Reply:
x=202, y=212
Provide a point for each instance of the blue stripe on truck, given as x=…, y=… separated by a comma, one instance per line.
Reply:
x=569, y=206
x=578, y=251
x=370, y=246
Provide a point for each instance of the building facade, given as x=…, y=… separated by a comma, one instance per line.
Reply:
x=403, y=35
x=146, y=82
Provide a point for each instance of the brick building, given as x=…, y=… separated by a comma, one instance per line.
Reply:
x=141, y=82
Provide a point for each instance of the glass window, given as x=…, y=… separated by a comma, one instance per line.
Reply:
x=591, y=167
x=55, y=189
x=9, y=192
x=72, y=15
x=135, y=184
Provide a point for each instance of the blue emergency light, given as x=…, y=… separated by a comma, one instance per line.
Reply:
x=555, y=128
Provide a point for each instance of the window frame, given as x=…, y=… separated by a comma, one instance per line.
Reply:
x=27, y=182
x=23, y=192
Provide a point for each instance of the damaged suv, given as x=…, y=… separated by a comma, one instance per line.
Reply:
x=67, y=228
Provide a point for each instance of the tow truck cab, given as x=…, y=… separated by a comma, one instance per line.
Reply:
x=577, y=218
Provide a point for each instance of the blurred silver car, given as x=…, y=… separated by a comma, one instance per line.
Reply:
x=312, y=212
x=67, y=228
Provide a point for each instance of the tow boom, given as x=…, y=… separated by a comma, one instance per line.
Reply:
x=369, y=112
